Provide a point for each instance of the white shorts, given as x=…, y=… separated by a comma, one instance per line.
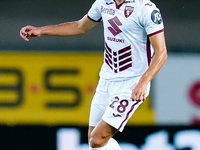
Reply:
x=112, y=102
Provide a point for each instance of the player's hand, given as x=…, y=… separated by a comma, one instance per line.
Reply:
x=29, y=31
x=139, y=92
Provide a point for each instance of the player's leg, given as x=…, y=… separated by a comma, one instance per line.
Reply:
x=90, y=129
x=100, y=133
x=97, y=109
x=100, y=137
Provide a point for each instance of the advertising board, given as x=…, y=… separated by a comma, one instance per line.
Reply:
x=75, y=138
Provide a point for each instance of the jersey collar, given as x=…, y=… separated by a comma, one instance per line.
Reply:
x=124, y=0
x=118, y=6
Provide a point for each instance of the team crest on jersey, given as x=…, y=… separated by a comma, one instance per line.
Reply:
x=128, y=11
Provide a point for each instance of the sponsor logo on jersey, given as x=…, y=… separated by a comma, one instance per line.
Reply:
x=128, y=11
x=107, y=11
x=156, y=17
x=115, y=23
x=115, y=40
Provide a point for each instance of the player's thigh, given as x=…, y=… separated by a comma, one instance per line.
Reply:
x=99, y=104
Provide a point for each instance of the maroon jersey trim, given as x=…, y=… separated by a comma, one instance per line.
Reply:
x=99, y=20
x=155, y=33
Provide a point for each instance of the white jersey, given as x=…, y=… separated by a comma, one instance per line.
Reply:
x=126, y=30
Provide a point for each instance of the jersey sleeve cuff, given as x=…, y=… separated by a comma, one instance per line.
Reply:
x=99, y=20
x=149, y=35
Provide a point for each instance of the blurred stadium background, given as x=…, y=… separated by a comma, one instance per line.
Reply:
x=46, y=85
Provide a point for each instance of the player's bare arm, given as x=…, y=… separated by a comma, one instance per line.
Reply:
x=158, y=43
x=64, y=29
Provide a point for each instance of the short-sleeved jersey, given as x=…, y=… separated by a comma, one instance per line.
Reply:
x=127, y=28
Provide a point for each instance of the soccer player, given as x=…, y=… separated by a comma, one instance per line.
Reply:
x=133, y=29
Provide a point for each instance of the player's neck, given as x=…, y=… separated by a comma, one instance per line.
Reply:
x=119, y=1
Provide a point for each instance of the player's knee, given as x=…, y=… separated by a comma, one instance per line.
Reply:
x=96, y=142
